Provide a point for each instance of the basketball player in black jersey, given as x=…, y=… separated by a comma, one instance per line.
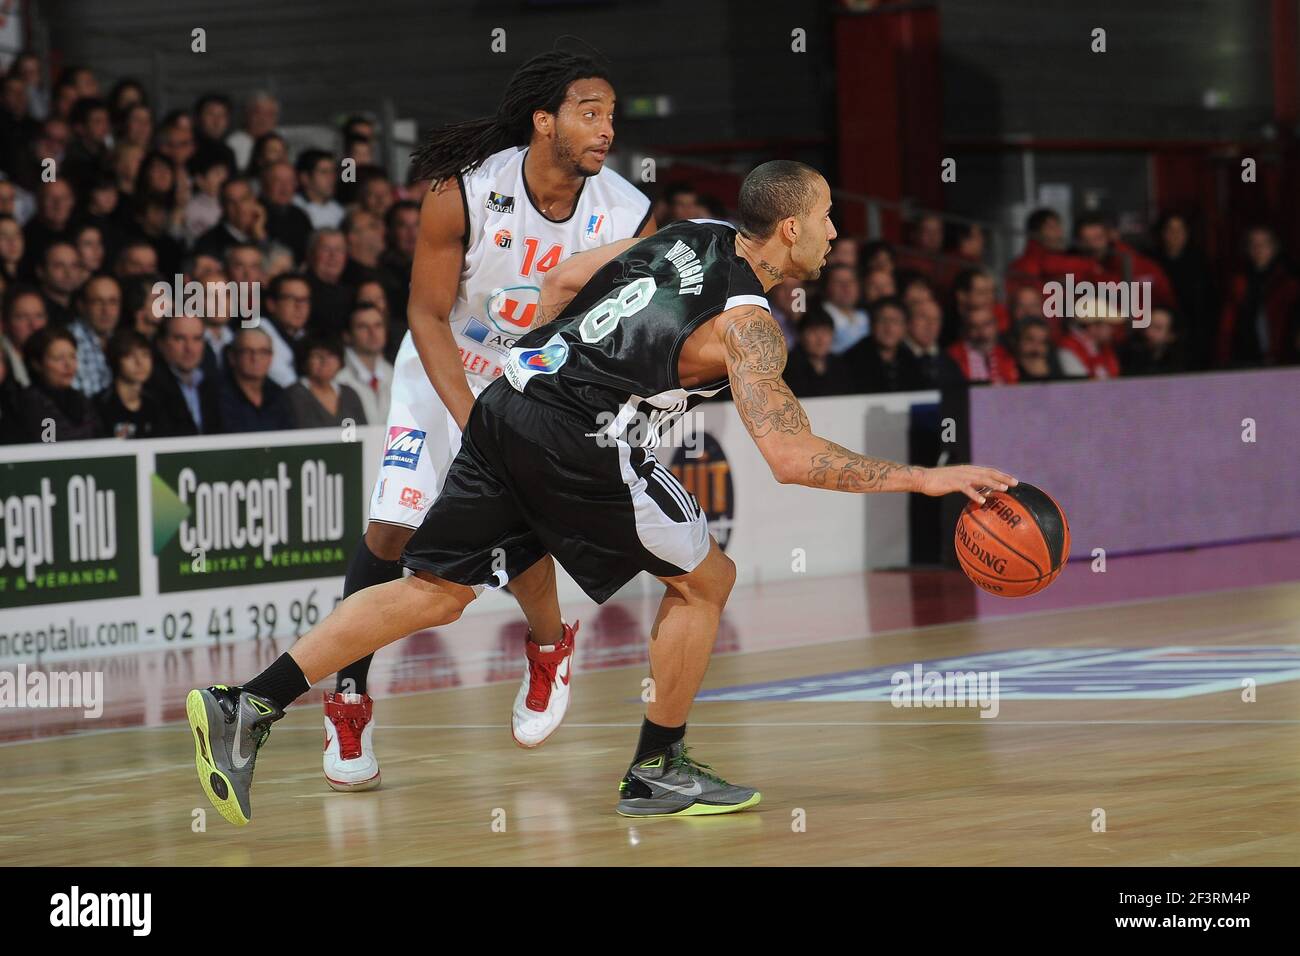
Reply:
x=555, y=459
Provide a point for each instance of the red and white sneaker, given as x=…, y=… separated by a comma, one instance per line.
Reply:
x=543, y=694
x=350, y=762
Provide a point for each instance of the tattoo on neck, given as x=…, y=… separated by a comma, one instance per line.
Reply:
x=773, y=272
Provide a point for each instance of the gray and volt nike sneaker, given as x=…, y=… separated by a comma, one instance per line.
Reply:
x=672, y=784
x=229, y=727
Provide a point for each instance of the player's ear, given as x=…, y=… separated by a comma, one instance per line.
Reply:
x=543, y=122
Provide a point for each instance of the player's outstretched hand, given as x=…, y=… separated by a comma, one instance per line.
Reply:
x=969, y=480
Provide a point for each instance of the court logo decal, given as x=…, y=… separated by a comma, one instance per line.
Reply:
x=1056, y=674
x=403, y=447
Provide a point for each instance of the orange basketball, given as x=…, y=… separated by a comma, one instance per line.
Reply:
x=1014, y=544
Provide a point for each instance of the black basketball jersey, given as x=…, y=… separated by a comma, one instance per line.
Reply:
x=610, y=358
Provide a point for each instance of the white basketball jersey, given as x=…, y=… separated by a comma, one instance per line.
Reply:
x=509, y=246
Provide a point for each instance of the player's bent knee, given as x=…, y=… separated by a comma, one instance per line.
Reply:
x=387, y=541
x=451, y=598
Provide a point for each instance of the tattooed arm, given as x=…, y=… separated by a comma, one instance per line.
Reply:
x=566, y=280
x=756, y=356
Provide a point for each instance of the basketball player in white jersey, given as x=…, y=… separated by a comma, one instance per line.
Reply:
x=512, y=196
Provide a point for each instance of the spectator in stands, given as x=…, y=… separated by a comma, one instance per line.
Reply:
x=55, y=202
x=99, y=306
x=964, y=249
x=137, y=258
x=844, y=252
x=288, y=305
x=220, y=302
x=374, y=191
x=50, y=144
x=841, y=293
x=89, y=144
x=12, y=246
x=88, y=239
x=681, y=201
x=972, y=290
x=104, y=208
x=789, y=304
x=243, y=220
x=331, y=301
x=51, y=409
x=1192, y=278
x=812, y=369
x=125, y=162
x=209, y=172
x=127, y=408
x=363, y=233
x=914, y=287
x=978, y=354
x=154, y=223
x=1045, y=259
x=1035, y=356
x=935, y=367
x=201, y=267
x=58, y=275
x=878, y=284
x=126, y=92
x=1156, y=349
x=144, y=300
x=211, y=126
x=28, y=66
x=187, y=398
x=261, y=114
x=401, y=232
x=285, y=222
x=880, y=362
x=1261, y=305
x=176, y=140
x=364, y=368
x=1095, y=239
x=878, y=256
x=24, y=315
x=17, y=126
x=134, y=127
x=1086, y=350
x=250, y=401
x=317, y=178
x=316, y=400
x=156, y=176
x=924, y=246
x=267, y=151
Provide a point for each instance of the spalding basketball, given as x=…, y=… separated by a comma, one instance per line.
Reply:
x=1014, y=544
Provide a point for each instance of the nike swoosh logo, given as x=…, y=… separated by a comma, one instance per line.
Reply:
x=565, y=676
x=694, y=790
x=237, y=758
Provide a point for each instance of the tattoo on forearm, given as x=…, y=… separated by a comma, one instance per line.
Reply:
x=768, y=406
x=845, y=470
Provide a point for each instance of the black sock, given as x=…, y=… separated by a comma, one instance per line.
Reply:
x=364, y=571
x=282, y=683
x=656, y=739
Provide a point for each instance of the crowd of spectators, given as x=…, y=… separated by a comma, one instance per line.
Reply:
x=302, y=262
x=928, y=313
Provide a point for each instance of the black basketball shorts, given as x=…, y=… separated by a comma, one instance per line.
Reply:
x=531, y=480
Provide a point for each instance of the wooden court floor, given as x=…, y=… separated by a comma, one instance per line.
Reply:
x=1199, y=780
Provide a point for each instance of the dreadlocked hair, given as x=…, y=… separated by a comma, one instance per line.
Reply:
x=540, y=84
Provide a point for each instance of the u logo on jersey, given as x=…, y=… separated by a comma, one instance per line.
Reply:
x=512, y=309
x=403, y=447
